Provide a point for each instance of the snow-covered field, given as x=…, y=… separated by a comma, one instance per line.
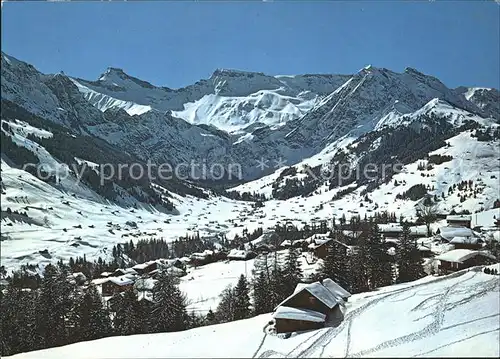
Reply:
x=451, y=316
x=203, y=285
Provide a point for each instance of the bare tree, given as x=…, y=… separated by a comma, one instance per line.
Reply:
x=427, y=214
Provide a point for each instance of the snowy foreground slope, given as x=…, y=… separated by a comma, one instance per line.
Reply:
x=455, y=315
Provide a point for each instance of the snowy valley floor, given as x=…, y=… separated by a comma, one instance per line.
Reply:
x=456, y=315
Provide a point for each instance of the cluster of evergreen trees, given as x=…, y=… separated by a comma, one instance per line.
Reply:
x=150, y=249
x=17, y=154
x=368, y=265
x=438, y=159
x=286, y=186
x=414, y=193
x=60, y=313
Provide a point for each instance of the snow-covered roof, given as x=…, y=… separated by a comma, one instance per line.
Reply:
x=464, y=240
x=236, y=253
x=390, y=227
x=123, y=280
x=460, y=255
x=99, y=281
x=458, y=218
x=396, y=227
x=203, y=254
x=423, y=248
x=335, y=288
x=352, y=234
x=299, y=314
x=140, y=266
x=449, y=233
x=130, y=271
x=391, y=240
x=175, y=271
x=319, y=291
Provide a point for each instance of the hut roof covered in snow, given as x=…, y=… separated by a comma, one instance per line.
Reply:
x=319, y=291
x=448, y=233
x=465, y=240
x=299, y=314
x=335, y=288
x=461, y=255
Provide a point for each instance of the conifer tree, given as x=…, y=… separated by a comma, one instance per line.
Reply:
x=408, y=260
x=292, y=271
x=335, y=264
x=93, y=321
x=261, y=294
x=242, y=299
x=226, y=309
x=169, y=306
x=54, y=307
x=379, y=262
x=18, y=321
x=210, y=318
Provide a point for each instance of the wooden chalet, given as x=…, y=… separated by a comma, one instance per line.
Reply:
x=459, y=259
x=144, y=268
x=311, y=306
x=459, y=220
x=469, y=242
x=114, y=285
x=320, y=247
x=241, y=255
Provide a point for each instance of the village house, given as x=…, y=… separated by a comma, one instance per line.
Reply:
x=113, y=285
x=470, y=242
x=320, y=247
x=459, y=259
x=311, y=306
x=144, y=268
x=241, y=255
x=289, y=319
x=448, y=233
x=393, y=231
x=459, y=221
x=425, y=251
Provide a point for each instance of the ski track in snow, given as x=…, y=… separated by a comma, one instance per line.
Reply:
x=318, y=346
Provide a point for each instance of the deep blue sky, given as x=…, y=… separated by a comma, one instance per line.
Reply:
x=176, y=43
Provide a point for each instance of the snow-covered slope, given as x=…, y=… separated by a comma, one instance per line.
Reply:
x=488, y=99
x=451, y=316
x=305, y=121
x=282, y=119
x=229, y=99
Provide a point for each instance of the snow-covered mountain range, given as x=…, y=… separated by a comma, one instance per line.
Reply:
x=307, y=123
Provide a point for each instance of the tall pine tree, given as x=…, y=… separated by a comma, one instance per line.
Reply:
x=169, y=306
x=379, y=261
x=408, y=259
x=242, y=299
x=227, y=306
x=92, y=319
